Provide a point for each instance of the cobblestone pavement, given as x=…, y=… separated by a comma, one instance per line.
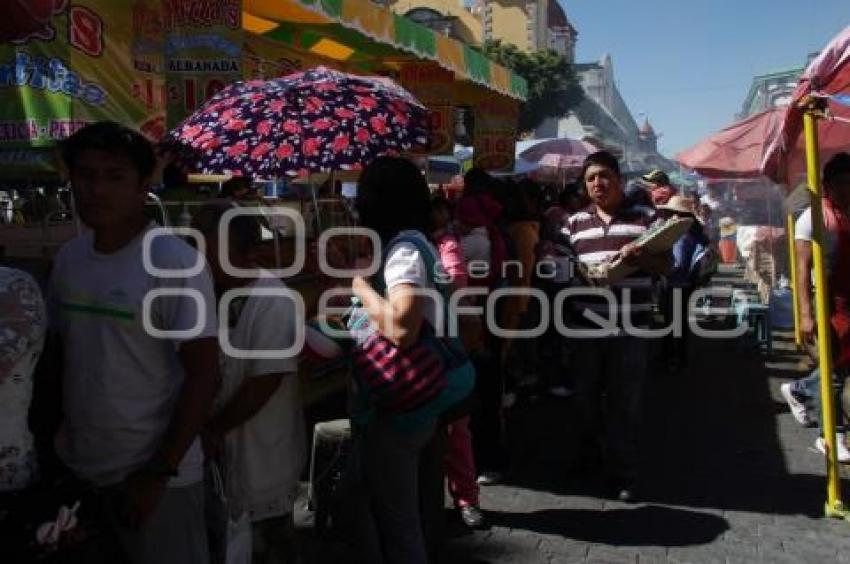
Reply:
x=727, y=476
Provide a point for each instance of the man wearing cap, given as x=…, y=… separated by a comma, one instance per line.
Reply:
x=659, y=186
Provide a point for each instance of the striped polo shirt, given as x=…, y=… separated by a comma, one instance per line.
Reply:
x=595, y=242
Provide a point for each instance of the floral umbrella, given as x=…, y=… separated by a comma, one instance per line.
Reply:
x=313, y=121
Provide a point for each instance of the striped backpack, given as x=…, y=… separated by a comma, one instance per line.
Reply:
x=421, y=381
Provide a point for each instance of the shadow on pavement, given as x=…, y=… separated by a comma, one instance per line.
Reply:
x=711, y=439
x=649, y=525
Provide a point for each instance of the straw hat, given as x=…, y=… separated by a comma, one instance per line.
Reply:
x=679, y=204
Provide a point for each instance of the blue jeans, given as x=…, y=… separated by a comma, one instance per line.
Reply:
x=808, y=388
x=384, y=507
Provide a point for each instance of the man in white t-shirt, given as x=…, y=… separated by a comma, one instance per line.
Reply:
x=258, y=418
x=836, y=182
x=133, y=401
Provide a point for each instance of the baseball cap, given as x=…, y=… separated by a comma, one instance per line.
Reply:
x=657, y=176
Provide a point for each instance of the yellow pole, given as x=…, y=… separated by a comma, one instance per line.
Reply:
x=795, y=297
x=834, y=506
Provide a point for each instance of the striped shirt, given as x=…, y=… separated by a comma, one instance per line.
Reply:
x=595, y=242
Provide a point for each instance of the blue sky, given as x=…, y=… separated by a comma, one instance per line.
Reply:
x=688, y=65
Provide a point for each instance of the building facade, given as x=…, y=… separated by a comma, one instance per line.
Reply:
x=771, y=90
x=604, y=119
x=530, y=25
x=450, y=17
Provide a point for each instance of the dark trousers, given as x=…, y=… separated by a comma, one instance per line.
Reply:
x=487, y=422
x=676, y=347
x=610, y=374
x=432, y=492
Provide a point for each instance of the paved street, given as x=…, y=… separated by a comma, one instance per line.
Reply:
x=728, y=476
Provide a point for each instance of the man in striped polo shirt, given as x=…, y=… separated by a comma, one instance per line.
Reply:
x=611, y=363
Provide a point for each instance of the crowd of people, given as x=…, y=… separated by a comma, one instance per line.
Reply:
x=182, y=438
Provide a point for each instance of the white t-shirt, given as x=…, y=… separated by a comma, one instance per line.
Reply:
x=265, y=456
x=405, y=265
x=803, y=232
x=120, y=384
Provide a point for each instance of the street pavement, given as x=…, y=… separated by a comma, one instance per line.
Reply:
x=727, y=475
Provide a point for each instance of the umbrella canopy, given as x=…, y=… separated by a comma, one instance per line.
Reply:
x=736, y=151
x=563, y=153
x=314, y=121
x=828, y=75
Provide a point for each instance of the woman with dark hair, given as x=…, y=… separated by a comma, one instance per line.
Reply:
x=393, y=199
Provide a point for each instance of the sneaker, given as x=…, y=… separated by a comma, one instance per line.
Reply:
x=628, y=494
x=798, y=408
x=472, y=516
x=841, y=446
x=489, y=478
x=560, y=391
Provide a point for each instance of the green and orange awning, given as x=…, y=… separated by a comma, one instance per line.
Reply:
x=355, y=32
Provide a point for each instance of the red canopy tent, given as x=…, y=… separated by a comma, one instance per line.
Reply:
x=827, y=76
x=736, y=151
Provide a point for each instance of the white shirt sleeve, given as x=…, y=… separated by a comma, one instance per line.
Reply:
x=803, y=226
x=405, y=265
x=272, y=328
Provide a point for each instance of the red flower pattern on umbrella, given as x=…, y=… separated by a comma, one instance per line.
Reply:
x=311, y=147
x=258, y=127
x=314, y=105
x=211, y=144
x=343, y=113
x=363, y=135
x=237, y=150
x=379, y=125
x=340, y=143
x=401, y=119
x=322, y=124
x=285, y=151
x=366, y=103
x=264, y=127
x=191, y=132
x=291, y=126
x=260, y=150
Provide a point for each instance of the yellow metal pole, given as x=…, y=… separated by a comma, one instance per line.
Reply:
x=834, y=506
x=795, y=297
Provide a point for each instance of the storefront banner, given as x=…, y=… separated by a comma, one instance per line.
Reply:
x=63, y=65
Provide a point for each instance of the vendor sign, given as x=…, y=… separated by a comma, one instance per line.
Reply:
x=62, y=66
x=495, y=133
x=433, y=86
x=203, y=51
